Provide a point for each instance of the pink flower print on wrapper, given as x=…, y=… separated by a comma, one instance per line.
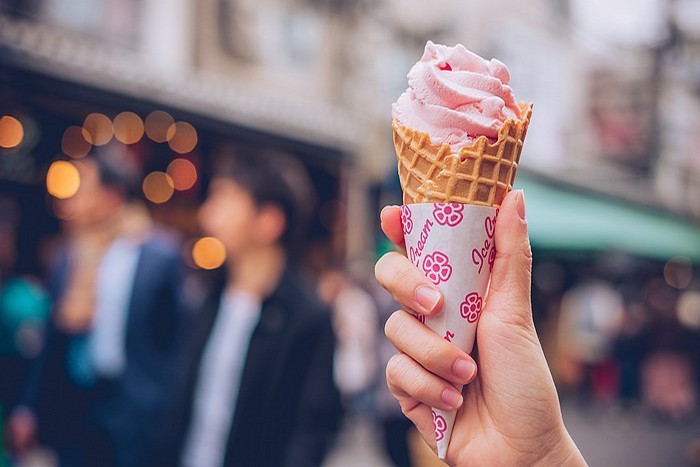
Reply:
x=406, y=220
x=449, y=335
x=470, y=309
x=437, y=267
x=420, y=317
x=449, y=214
x=440, y=426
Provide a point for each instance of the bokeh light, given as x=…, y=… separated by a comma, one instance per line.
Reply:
x=62, y=179
x=158, y=187
x=99, y=129
x=75, y=142
x=157, y=125
x=678, y=272
x=11, y=132
x=688, y=309
x=128, y=128
x=208, y=253
x=183, y=173
x=182, y=137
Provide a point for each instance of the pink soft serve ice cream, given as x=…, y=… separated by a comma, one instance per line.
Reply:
x=455, y=96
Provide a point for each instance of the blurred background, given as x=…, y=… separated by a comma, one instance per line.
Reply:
x=610, y=171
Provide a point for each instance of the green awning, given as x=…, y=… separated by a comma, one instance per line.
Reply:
x=561, y=218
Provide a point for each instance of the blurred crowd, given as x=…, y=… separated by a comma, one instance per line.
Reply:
x=124, y=355
x=620, y=334
x=121, y=358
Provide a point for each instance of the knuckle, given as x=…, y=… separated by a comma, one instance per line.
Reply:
x=394, y=272
x=402, y=380
x=434, y=354
x=423, y=388
x=380, y=266
x=393, y=325
x=406, y=409
x=395, y=369
x=527, y=251
x=398, y=279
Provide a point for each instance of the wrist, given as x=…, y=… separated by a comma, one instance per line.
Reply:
x=563, y=453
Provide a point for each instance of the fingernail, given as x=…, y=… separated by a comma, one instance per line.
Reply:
x=464, y=369
x=521, y=204
x=452, y=397
x=427, y=297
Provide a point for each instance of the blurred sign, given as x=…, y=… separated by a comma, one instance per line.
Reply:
x=635, y=23
x=279, y=46
x=620, y=109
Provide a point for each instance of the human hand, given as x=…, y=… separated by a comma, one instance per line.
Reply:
x=509, y=413
x=21, y=430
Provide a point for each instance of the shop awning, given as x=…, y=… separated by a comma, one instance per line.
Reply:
x=61, y=54
x=565, y=218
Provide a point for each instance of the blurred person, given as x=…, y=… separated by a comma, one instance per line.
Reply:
x=669, y=385
x=24, y=306
x=670, y=357
x=508, y=413
x=355, y=323
x=592, y=314
x=256, y=386
x=98, y=384
x=629, y=349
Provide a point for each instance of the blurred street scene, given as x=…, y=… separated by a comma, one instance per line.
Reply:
x=153, y=152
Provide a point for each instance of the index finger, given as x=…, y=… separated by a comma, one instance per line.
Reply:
x=391, y=225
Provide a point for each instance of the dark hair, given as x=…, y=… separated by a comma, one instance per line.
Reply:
x=117, y=171
x=272, y=177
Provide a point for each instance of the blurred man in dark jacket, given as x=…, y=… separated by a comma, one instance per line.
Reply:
x=257, y=388
x=97, y=388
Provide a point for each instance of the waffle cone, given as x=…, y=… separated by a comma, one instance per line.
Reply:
x=481, y=174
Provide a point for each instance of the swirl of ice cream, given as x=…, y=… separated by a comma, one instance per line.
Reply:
x=455, y=96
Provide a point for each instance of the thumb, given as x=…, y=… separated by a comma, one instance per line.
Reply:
x=509, y=290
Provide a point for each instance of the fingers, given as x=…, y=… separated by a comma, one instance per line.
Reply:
x=406, y=378
x=407, y=283
x=391, y=225
x=431, y=355
x=509, y=290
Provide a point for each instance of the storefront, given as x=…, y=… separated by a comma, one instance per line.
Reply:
x=53, y=82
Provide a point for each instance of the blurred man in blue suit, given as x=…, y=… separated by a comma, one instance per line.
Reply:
x=97, y=389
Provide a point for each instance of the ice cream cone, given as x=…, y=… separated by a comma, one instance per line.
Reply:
x=458, y=134
x=479, y=174
x=440, y=230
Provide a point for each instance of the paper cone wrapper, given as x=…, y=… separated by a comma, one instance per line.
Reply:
x=453, y=244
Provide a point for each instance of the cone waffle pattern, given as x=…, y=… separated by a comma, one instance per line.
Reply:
x=480, y=174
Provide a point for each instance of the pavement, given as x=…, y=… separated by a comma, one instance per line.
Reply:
x=606, y=437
